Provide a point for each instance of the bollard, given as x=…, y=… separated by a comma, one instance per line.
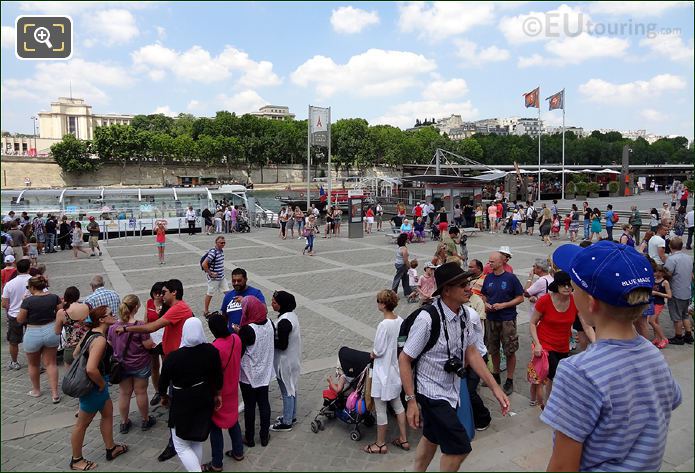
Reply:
x=179, y=225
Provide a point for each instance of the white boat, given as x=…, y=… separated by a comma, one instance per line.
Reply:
x=133, y=209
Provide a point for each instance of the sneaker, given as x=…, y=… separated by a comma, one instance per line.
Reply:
x=146, y=424
x=168, y=453
x=13, y=365
x=156, y=399
x=676, y=340
x=280, y=427
x=92, y=255
x=497, y=378
x=688, y=338
x=280, y=419
x=480, y=429
x=508, y=387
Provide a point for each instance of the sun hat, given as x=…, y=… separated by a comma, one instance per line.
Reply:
x=430, y=264
x=447, y=274
x=606, y=270
x=560, y=278
x=505, y=250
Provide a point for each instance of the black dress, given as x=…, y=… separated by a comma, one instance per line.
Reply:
x=195, y=374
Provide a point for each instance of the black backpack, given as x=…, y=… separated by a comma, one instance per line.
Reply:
x=534, y=214
x=204, y=257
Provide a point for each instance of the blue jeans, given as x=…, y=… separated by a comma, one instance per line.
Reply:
x=289, y=404
x=217, y=443
x=309, y=243
x=401, y=277
x=609, y=231
x=587, y=225
x=50, y=242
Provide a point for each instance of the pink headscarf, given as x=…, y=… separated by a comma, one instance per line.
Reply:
x=253, y=311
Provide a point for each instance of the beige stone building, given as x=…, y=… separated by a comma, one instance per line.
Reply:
x=274, y=112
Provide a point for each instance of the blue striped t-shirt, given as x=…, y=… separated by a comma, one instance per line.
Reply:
x=616, y=398
x=216, y=263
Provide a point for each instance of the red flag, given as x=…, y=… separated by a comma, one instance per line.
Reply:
x=531, y=99
x=557, y=100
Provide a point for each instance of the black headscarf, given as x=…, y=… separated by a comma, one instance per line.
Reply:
x=285, y=300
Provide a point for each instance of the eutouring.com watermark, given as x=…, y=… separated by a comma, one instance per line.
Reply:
x=557, y=25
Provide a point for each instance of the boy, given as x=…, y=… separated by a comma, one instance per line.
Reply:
x=413, y=279
x=611, y=405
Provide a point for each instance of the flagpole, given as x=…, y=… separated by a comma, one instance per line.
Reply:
x=308, y=162
x=329, y=157
x=563, y=144
x=539, y=143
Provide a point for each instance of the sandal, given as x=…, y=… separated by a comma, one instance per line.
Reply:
x=112, y=453
x=86, y=467
x=381, y=448
x=404, y=445
x=209, y=467
x=230, y=454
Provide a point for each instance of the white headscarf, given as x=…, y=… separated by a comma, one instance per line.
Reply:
x=193, y=334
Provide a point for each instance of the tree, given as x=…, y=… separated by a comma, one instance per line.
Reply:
x=72, y=155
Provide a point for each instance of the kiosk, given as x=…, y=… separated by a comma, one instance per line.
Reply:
x=355, y=216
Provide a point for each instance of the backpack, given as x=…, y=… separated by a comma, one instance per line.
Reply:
x=204, y=257
x=534, y=215
x=615, y=217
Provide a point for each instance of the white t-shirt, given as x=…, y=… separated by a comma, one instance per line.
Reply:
x=655, y=243
x=689, y=219
x=537, y=289
x=190, y=214
x=412, y=277
x=15, y=291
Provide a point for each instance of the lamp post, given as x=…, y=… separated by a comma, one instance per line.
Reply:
x=36, y=151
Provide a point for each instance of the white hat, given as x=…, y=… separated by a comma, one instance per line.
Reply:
x=505, y=250
x=9, y=259
x=430, y=264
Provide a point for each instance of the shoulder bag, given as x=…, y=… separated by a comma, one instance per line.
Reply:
x=76, y=383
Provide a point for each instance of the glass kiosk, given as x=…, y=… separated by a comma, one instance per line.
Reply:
x=355, y=217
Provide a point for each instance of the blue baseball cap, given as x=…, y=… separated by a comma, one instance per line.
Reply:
x=607, y=271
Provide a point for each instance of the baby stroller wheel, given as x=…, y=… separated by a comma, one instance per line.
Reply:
x=320, y=424
x=314, y=427
x=355, y=435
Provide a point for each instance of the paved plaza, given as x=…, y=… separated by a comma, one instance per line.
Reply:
x=335, y=292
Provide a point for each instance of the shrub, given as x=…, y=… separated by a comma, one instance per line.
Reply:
x=571, y=188
x=613, y=187
x=582, y=188
x=593, y=187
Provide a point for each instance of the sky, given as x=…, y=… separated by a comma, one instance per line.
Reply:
x=623, y=65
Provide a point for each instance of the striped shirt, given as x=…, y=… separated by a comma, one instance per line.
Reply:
x=616, y=398
x=432, y=381
x=216, y=263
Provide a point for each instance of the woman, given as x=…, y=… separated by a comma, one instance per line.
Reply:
x=337, y=220
x=65, y=231
x=77, y=239
x=635, y=219
x=288, y=358
x=70, y=321
x=370, y=219
x=379, y=216
x=551, y=328
x=284, y=217
x=219, y=215
x=479, y=218
x=653, y=219
x=545, y=224
x=299, y=221
x=195, y=373
x=386, y=379
x=595, y=225
x=440, y=255
x=98, y=352
x=402, y=264
x=41, y=339
x=626, y=237
x=679, y=225
x=665, y=215
x=458, y=216
x=533, y=290
x=644, y=246
x=419, y=229
x=257, y=340
x=574, y=223
x=161, y=238
x=492, y=217
x=131, y=349
x=154, y=309
x=407, y=229
x=207, y=217
x=227, y=416
x=443, y=219
x=290, y=223
x=329, y=222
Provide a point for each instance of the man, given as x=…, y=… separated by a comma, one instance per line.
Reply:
x=12, y=296
x=102, y=296
x=39, y=231
x=213, y=265
x=51, y=233
x=448, y=238
x=190, y=219
x=553, y=208
x=93, y=229
x=502, y=292
x=657, y=245
x=9, y=217
x=172, y=322
x=507, y=253
x=530, y=221
x=438, y=390
x=665, y=214
x=609, y=221
x=19, y=240
x=690, y=223
x=680, y=266
x=231, y=305
x=430, y=212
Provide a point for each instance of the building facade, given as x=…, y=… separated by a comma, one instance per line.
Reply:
x=274, y=112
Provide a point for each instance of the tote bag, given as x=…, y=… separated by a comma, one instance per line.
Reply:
x=76, y=383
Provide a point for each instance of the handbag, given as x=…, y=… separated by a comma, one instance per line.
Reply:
x=76, y=383
x=538, y=367
x=369, y=401
x=117, y=370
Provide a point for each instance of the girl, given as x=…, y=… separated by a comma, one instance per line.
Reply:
x=653, y=219
x=310, y=234
x=386, y=380
x=161, y=238
x=555, y=230
x=33, y=251
x=661, y=292
x=131, y=349
x=516, y=222
x=70, y=321
x=413, y=280
x=287, y=361
x=574, y=223
x=77, y=239
x=290, y=223
x=546, y=224
x=595, y=225
x=379, y=216
x=479, y=218
x=567, y=221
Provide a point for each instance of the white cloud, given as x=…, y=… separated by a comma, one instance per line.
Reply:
x=601, y=91
x=470, y=54
x=577, y=49
x=404, y=115
x=372, y=73
x=635, y=9
x=542, y=26
x=244, y=102
x=671, y=46
x=110, y=26
x=197, y=64
x=193, y=105
x=532, y=60
x=51, y=80
x=8, y=37
x=161, y=33
x=439, y=20
x=653, y=115
x=445, y=90
x=165, y=110
x=350, y=20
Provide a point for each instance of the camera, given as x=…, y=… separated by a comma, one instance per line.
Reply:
x=455, y=365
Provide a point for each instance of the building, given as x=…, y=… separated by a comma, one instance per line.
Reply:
x=577, y=130
x=274, y=112
x=528, y=126
x=446, y=125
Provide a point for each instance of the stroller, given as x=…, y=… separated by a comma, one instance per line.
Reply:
x=243, y=224
x=354, y=365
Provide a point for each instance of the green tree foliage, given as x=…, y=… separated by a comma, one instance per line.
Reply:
x=73, y=155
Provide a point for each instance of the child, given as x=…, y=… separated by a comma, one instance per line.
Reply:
x=426, y=284
x=555, y=229
x=605, y=415
x=310, y=231
x=33, y=251
x=567, y=221
x=661, y=292
x=413, y=279
x=9, y=271
x=516, y=222
x=161, y=238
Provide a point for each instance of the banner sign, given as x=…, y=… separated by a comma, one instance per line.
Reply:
x=318, y=126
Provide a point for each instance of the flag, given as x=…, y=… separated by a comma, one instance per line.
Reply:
x=557, y=101
x=531, y=99
x=322, y=194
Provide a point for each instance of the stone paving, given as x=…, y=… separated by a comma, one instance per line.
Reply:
x=335, y=292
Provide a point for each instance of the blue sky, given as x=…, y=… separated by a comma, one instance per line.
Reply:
x=624, y=65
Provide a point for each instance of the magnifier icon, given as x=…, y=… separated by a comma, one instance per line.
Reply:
x=42, y=35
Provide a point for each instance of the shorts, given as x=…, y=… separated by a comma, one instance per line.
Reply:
x=370, y=220
x=217, y=285
x=160, y=245
x=441, y=426
x=15, y=331
x=95, y=400
x=554, y=358
x=38, y=337
x=530, y=222
x=142, y=373
x=502, y=332
x=157, y=350
x=93, y=242
x=678, y=309
x=658, y=308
